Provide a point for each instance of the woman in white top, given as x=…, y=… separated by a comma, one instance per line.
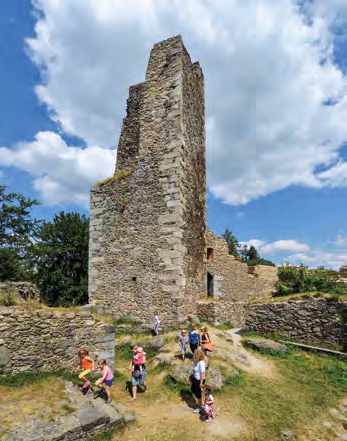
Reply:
x=198, y=377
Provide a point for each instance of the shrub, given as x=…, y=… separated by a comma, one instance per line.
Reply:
x=8, y=296
x=300, y=280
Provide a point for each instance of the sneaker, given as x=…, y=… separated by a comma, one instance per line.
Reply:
x=209, y=420
x=109, y=401
x=197, y=410
x=86, y=384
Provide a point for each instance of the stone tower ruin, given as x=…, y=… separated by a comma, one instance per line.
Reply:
x=148, y=221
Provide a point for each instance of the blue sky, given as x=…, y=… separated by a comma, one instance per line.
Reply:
x=277, y=174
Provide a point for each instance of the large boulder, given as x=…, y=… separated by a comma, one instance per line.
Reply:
x=263, y=344
x=181, y=372
x=193, y=319
x=152, y=345
x=231, y=356
x=215, y=378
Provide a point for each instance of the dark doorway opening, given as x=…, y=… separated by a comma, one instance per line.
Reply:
x=209, y=285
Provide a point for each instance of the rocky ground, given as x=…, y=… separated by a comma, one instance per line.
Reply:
x=263, y=391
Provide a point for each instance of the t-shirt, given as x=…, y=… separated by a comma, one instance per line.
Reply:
x=184, y=340
x=209, y=399
x=193, y=337
x=86, y=364
x=109, y=375
x=199, y=368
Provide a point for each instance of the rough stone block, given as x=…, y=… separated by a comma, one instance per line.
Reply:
x=91, y=417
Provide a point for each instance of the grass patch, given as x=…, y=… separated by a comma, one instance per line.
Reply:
x=126, y=321
x=209, y=299
x=107, y=435
x=305, y=295
x=22, y=379
x=120, y=175
x=308, y=385
x=68, y=409
x=123, y=351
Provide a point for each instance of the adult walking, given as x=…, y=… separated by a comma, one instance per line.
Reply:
x=198, y=377
x=194, y=338
x=206, y=341
x=136, y=376
x=156, y=325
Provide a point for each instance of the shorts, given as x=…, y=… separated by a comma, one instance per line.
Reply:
x=84, y=373
x=195, y=388
x=135, y=377
x=184, y=350
x=109, y=382
x=193, y=347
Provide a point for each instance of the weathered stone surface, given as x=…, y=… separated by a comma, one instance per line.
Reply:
x=153, y=344
x=193, y=319
x=181, y=372
x=50, y=339
x=264, y=344
x=215, y=377
x=91, y=417
x=164, y=359
x=232, y=283
x=306, y=319
x=148, y=221
x=4, y=356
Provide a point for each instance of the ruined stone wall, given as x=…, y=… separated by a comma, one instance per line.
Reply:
x=143, y=256
x=232, y=313
x=234, y=283
x=19, y=291
x=304, y=319
x=266, y=278
x=49, y=339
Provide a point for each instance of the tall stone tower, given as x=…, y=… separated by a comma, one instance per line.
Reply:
x=148, y=221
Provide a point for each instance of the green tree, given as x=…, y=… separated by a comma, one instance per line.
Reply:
x=62, y=268
x=17, y=235
x=233, y=243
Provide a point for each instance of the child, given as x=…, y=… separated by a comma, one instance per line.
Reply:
x=138, y=358
x=184, y=344
x=87, y=364
x=208, y=404
x=107, y=378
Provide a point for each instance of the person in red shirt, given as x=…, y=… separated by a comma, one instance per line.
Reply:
x=87, y=365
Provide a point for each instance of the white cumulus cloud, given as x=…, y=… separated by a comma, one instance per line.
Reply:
x=61, y=173
x=276, y=99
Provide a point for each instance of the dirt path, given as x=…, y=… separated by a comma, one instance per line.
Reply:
x=255, y=364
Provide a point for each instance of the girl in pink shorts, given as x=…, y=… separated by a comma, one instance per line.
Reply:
x=107, y=378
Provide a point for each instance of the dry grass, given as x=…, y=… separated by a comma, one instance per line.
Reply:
x=39, y=398
x=121, y=174
x=300, y=296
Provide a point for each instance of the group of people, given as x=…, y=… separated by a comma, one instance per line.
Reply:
x=200, y=346
x=196, y=340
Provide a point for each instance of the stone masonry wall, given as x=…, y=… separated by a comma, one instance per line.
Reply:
x=307, y=319
x=232, y=313
x=147, y=243
x=49, y=339
x=20, y=290
x=234, y=283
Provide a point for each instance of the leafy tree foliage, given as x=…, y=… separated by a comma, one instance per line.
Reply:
x=62, y=269
x=294, y=280
x=233, y=243
x=17, y=235
x=244, y=253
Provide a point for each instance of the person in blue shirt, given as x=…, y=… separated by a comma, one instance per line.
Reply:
x=194, y=338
